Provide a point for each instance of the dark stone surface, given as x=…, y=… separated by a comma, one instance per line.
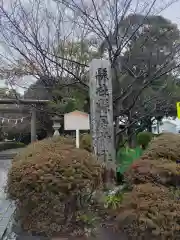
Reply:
x=30, y=237
x=107, y=234
x=103, y=234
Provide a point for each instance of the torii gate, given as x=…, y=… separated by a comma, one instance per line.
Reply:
x=33, y=104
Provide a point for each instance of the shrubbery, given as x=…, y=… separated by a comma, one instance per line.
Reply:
x=144, y=138
x=165, y=146
x=151, y=210
x=53, y=144
x=86, y=142
x=160, y=171
x=52, y=183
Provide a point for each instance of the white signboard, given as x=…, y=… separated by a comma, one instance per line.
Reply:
x=76, y=120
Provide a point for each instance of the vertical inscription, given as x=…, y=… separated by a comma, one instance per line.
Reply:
x=103, y=106
x=102, y=128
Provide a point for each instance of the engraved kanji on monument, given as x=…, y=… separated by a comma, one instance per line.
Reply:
x=101, y=110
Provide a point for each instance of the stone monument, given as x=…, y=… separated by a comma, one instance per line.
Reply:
x=101, y=110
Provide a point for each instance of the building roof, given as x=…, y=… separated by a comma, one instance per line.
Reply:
x=77, y=113
x=22, y=101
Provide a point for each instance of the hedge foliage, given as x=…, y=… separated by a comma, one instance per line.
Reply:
x=144, y=138
x=151, y=210
x=10, y=145
x=53, y=144
x=165, y=146
x=86, y=142
x=160, y=171
x=52, y=183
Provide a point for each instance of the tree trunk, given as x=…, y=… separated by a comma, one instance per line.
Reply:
x=130, y=130
x=149, y=126
x=158, y=123
x=119, y=137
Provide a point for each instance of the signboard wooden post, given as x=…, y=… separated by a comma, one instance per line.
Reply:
x=77, y=121
x=178, y=109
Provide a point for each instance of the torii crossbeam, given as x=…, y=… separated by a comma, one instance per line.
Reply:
x=33, y=103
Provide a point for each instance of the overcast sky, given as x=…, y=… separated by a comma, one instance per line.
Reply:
x=173, y=13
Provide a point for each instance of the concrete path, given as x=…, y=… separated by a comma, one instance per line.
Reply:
x=11, y=151
x=9, y=154
x=6, y=207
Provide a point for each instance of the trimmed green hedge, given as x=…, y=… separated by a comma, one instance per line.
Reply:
x=11, y=145
x=144, y=138
x=86, y=142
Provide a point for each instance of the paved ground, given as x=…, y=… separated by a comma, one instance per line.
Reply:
x=11, y=151
x=6, y=207
x=9, y=154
